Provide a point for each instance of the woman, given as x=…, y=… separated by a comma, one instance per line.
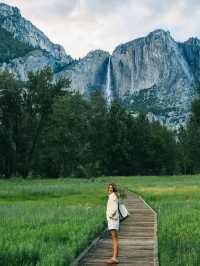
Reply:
x=112, y=216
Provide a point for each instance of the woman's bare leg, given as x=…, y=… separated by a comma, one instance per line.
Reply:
x=115, y=243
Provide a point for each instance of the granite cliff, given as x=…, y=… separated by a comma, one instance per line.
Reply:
x=154, y=74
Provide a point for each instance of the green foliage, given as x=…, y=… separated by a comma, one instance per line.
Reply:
x=117, y=142
x=10, y=115
x=64, y=142
x=98, y=134
x=10, y=47
x=48, y=131
x=189, y=140
x=24, y=111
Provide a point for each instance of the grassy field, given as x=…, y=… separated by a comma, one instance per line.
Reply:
x=48, y=222
x=177, y=202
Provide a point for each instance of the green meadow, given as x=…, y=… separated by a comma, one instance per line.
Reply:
x=49, y=221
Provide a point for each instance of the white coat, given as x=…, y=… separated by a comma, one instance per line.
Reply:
x=112, y=207
x=112, y=213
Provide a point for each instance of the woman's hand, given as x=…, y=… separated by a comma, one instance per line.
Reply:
x=111, y=216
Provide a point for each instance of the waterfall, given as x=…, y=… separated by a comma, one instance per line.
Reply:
x=108, y=92
x=132, y=77
x=132, y=70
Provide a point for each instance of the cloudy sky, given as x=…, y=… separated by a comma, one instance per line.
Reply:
x=84, y=25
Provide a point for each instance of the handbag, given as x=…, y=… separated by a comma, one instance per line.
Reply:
x=123, y=212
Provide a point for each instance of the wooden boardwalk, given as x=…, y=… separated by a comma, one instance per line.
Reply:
x=137, y=239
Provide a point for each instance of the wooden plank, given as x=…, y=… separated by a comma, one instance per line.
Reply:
x=137, y=239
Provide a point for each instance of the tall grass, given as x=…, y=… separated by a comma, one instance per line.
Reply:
x=48, y=222
x=177, y=202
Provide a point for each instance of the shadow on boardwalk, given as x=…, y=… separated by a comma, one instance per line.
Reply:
x=137, y=239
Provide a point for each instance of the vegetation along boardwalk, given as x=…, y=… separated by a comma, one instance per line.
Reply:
x=137, y=239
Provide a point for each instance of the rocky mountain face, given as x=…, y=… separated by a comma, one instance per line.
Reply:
x=44, y=52
x=23, y=30
x=191, y=52
x=87, y=74
x=154, y=74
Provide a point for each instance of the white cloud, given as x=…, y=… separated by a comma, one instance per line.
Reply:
x=84, y=25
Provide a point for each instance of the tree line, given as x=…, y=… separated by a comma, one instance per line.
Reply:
x=48, y=131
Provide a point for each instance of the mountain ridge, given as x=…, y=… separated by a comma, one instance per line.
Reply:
x=153, y=73
x=23, y=30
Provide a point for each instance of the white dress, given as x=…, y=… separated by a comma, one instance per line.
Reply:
x=112, y=213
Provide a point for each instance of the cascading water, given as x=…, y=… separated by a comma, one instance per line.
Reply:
x=132, y=79
x=108, y=91
x=132, y=70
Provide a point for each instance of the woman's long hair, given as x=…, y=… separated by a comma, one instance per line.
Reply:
x=114, y=186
